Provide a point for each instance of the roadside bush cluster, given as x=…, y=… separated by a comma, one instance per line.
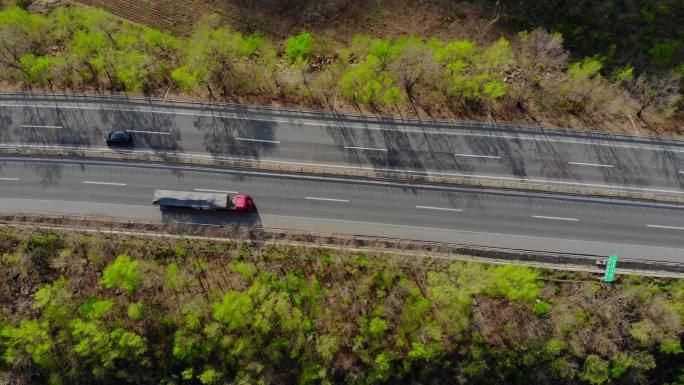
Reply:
x=222, y=313
x=79, y=48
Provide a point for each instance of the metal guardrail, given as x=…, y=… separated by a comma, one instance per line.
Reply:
x=538, y=130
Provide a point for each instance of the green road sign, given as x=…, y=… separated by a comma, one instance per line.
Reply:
x=610, y=269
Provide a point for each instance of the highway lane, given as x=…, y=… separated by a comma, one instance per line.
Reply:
x=498, y=153
x=491, y=218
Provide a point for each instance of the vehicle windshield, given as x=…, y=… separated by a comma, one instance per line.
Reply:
x=117, y=135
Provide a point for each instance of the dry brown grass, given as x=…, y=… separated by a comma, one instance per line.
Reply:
x=339, y=19
x=176, y=16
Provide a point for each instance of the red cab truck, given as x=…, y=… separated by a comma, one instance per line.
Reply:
x=202, y=200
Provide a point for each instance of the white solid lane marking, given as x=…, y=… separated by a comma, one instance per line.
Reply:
x=196, y=224
x=258, y=140
x=665, y=227
x=365, y=148
x=150, y=132
x=478, y=156
x=215, y=191
x=104, y=183
x=591, y=164
x=438, y=208
x=10, y=179
x=327, y=199
x=555, y=218
x=36, y=126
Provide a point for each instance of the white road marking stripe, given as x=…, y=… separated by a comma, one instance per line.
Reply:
x=591, y=164
x=327, y=199
x=10, y=179
x=197, y=224
x=258, y=140
x=36, y=126
x=365, y=148
x=438, y=208
x=478, y=156
x=150, y=132
x=514, y=137
x=215, y=191
x=665, y=227
x=555, y=218
x=104, y=183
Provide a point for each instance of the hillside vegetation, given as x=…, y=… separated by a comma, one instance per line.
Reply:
x=81, y=309
x=529, y=78
x=646, y=34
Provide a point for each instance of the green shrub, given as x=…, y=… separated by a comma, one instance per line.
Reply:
x=235, y=310
x=188, y=374
x=180, y=252
x=123, y=273
x=377, y=327
x=327, y=346
x=514, y=282
x=671, y=345
x=554, y=347
x=95, y=308
x=136, y=310
x=55, y=301
x=174, y=278
x=541, y=308
x=298, y=47
x=595, y=370
x=245, y=269
x=32, y=339
x=645, y=332
x=209, y=376
x=104, y=348
x=664, y=54
x=562, y=368
x=620, y=363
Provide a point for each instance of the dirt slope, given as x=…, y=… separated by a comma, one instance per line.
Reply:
x=341, y=19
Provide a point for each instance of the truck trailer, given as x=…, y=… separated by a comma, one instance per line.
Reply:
x=203, y=200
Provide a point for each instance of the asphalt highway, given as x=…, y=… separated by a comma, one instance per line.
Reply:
x=435, y=213
x=458, y=149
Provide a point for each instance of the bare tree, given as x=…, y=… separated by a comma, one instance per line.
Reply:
x=325, y=84
x=539, y=53
x=659, y=92
x=412, y=67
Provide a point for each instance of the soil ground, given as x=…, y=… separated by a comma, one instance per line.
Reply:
x=340, y=19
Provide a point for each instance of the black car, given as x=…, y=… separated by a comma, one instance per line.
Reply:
x=119, y=138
